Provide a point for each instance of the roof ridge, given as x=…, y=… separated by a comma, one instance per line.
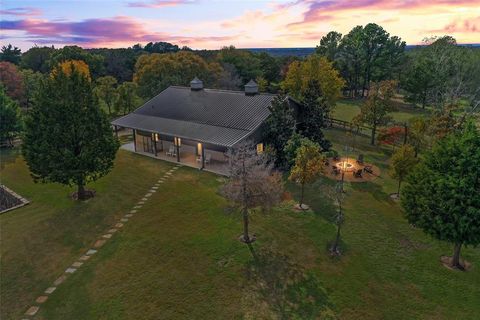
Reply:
x=227, y=91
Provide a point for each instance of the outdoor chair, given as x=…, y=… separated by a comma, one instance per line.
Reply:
x=208, y=157
x=335, y=170
x=336, y=157
x=358, y=173
x=368, y=169
x=360, y=159
x=171, y=152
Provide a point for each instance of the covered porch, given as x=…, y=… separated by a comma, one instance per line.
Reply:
x=188, y=152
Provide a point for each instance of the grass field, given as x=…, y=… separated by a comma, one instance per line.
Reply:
x=347, y=109
x=179, y=257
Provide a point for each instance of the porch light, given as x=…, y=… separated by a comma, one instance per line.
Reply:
x=199, y=148
x=259, y=148
x=177, y=141
x=155, y=137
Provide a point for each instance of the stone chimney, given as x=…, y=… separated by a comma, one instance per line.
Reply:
x=196, y=84
x=251, y=88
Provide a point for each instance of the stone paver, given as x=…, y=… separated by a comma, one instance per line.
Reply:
x=32, y=311
x=91, y=251
x=84, y=258
x=70, y=270
x=99, y=243
x=50, y=290
x=59, y=280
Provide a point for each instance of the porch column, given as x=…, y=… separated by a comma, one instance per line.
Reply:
x=134, y=140
x=202, y=155
x=116, y=131
x=177, y=145
x=154, y=139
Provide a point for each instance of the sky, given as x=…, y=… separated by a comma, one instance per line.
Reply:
x=206, y=24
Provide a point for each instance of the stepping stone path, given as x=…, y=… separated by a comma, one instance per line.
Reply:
x=32, y=310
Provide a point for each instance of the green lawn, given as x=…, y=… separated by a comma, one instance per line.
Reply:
x=347, y=109
x=179, y=257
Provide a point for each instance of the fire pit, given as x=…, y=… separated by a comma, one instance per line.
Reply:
x=345, y=166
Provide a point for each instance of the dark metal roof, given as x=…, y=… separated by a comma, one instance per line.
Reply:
x=213, y=116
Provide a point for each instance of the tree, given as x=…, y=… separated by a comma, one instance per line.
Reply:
x=10, y=120
x=68, y=138
x=374, y=111
x=279, y=127
x=106, y=91
x=37, y=59
x=417, y=134
x=374, y=42
x=12, y=80
x=68, y=53
x=318, y=68
x=337, y=194
x=31, y=83
x=252, y=183
x=308, y=166
x=246, y=63
x=291, y=148
x=351, y=59
x=316, y=110
x=391, y=136
x=419, y=79
x=10, y=54
x=442, y=194
x=329, y=45
x=70, y=66
x=127, y=98
x=155, y=72
x=402, y=163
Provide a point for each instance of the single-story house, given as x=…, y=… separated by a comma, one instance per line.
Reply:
x=197, y=126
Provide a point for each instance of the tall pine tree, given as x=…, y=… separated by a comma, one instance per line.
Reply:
x=316, y=110
x=279, y=128
x=68, y=138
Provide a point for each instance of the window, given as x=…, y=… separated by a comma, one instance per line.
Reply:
x=259, y=148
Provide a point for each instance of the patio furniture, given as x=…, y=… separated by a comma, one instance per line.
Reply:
x=357, y=173
x=208, y=157
x=335, y=170
x=360, y=159
x=171, y=152
x=368, y=169
x=336, y=157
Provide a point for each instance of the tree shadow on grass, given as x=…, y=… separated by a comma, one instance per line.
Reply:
x=374, y=189
x=290, y=291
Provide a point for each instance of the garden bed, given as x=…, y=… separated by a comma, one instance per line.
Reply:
x=10, y=200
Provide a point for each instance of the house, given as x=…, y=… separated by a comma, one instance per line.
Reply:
x=197, y=126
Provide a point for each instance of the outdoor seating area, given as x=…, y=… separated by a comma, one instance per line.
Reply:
x=350, y=169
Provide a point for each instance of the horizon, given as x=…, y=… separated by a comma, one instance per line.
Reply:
x=201, y=25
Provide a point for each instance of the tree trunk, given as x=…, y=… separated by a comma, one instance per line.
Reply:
x=456, y=256
x=81, y=195
x=246, y=238
x=399, y=183
x=301, y=196
x=372, y=140
x=337, y=240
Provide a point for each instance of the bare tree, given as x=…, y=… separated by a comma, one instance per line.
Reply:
x=337, y=194
x=252, y=183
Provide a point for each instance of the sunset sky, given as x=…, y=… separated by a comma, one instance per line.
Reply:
x=212, y=24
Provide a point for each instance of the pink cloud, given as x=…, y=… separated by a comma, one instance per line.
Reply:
x=21, y=12
x=318, y=11
x=158, y=3
x=98, y=32
x=462, y=26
